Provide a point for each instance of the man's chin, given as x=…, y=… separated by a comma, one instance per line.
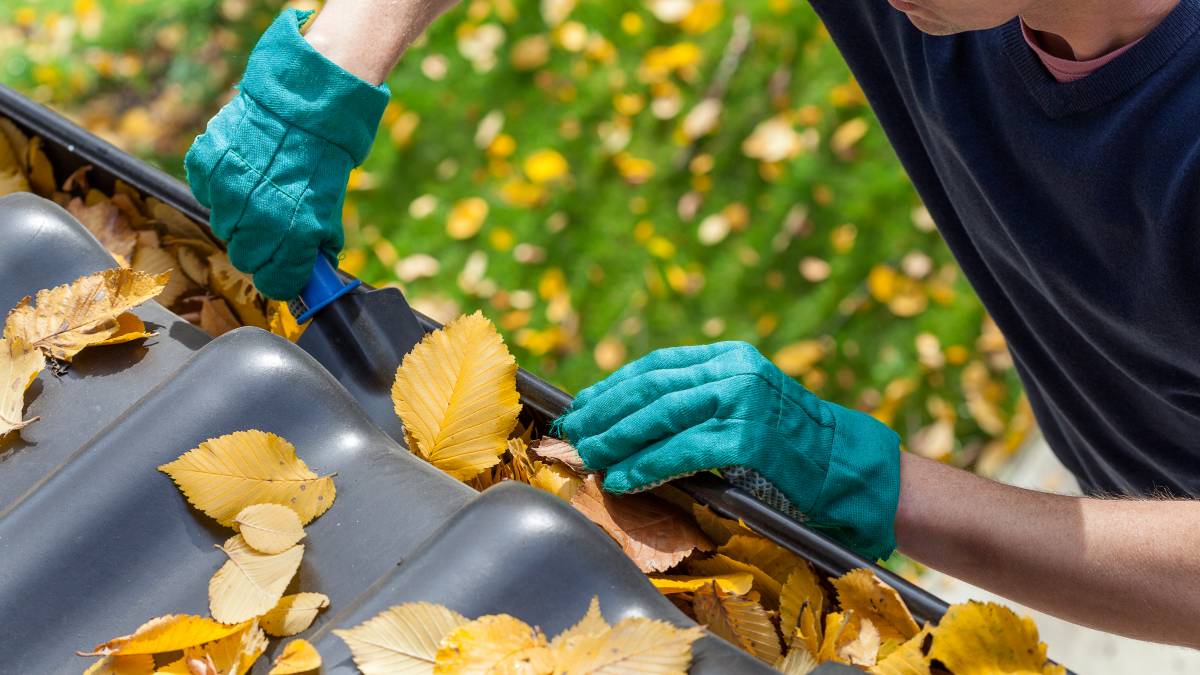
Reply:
x=933, y=26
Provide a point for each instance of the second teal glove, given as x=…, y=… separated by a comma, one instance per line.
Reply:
x=273, y=164
x=677, y=412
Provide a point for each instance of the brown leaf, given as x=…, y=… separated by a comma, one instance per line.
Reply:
x=654, y=534
x=216, y=318
x=559, y=451
x=106, y=222
x=739, y=620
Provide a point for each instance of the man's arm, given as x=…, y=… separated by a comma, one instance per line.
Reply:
x=367, y=37
x=1122, y=566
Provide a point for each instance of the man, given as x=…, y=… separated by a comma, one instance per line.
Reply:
x=1053, y=141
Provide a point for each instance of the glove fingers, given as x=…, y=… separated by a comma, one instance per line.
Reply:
x=711, y=445
x=660, y=359
x=286, y=272
x=669, y=415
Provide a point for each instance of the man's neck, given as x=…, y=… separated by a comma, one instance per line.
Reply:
x=1086, y=29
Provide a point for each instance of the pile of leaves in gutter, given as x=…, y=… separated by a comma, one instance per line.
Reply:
x=149, y=236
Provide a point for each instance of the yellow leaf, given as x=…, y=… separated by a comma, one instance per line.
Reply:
x=801, y=588
x=298, y=656
x=154, y=260
x=557, y=480
x=634, y=645
x=797, y=662
x=129, y=328
x=655, y=535
x=269, y=528
x=68, y=318
x=719, y=529
x=282, y=323
x=977, y=638
x=238, y=290
x=722, y=564
x=456, y=393
x=231, y=655
x=20, y=364
x=846, y=136
x=591, y=625
x=216, y=318
x=739, y=620
x=175, y=223
x=41, y=173
x=400, y=640
x=766, y=555
x=250, y=583
x=737, y=583
x=907, y=659
x=12, y=182
x=849, y=639
x=293, y=614
x=863, y=592
x=493, y=644
x=808, y=631
x=225, y=475
x=106, y=222
x=545, y=166
x=168, y=633
x=466, y=218
x=139, y=664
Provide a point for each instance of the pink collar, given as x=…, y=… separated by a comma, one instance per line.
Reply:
x=1066, y=70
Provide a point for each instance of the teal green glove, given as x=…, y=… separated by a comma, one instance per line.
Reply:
x=273, y=164
x=680, y=411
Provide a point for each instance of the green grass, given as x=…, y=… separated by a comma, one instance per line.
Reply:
x=603, y=261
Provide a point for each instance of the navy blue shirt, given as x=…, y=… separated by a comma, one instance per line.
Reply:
x=1074, y=210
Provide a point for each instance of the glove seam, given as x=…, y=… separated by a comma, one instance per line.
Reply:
x=307, y=186
x=245, y=205
x=293, y=125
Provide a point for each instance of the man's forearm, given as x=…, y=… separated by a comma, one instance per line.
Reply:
x=367, y=37
x=1122, y=566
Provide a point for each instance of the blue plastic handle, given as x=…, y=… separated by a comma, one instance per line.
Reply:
x=323, y=288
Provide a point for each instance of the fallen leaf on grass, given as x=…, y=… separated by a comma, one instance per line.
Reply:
x=559, y=451
x=68, y=318
x=168, y=633
x=400, y=640
x=497, y=643
x=654, y=534
x=977, y=638
x=224, y=475
x=739, y=620
x=293, y=614
x=250, y=583
x=456, y=393
x=20, y=364
x=269, y=528
x=298, y=656
x=860, y=590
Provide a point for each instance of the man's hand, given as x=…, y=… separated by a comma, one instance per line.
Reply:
x=273, y=164
x=680, y=411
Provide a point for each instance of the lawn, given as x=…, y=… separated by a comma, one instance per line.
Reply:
x=602, y=180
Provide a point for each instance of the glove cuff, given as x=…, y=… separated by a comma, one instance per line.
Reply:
x=861, y=490
x=303, y=88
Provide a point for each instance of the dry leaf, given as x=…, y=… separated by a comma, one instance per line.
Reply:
x=738, y=583
x=654, y=534
x=106, y=222
x=232, y=655
x=766, y=555
x=738, y=620
x=293, y=614
x=400, y=640
x=977, y=638
x=20, y=364
x=493, y=644
x=281, y=322
x=216, y=318
x=41, y=173
x=864, y=648
x=808, y=632
x=175, y=223
x=797, y=662
x=168, y=633
x=557, y=480
x=250, y=583
x=719, y=529
x=907, y=659
x=225, y=475
x=154, y=260
x=801, y=588
x=298, y=656
x=591, y=625
x=139, y=664
x=238, y=290
x=559, y=451
x=764, y=583
x=68, y=318
x=456, y=393
x=269, y=528
x=863, y=592
x=634, y=645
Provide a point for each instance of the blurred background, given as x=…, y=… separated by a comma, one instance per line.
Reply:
x=606, y=178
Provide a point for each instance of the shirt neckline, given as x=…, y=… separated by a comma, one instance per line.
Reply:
x=1062, y=99
x=1071, y=70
